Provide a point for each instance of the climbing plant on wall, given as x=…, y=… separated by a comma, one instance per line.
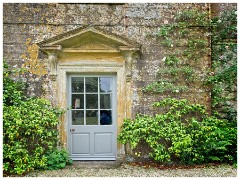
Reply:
x=188, y=41
x=224, y=65
x=186, y=46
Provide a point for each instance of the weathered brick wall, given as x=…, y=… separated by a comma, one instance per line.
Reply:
x=26, y=24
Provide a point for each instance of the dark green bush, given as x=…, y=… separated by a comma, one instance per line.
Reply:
x=57, y=159
x=184, y=133
x=30, y=131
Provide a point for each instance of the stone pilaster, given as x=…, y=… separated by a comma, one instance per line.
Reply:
x=52, y=52
x=128, y=53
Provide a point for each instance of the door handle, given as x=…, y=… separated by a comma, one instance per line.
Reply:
x=72, y=130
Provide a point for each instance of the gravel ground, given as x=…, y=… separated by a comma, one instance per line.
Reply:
x=126, y=170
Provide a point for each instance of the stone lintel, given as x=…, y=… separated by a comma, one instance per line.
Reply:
x=77, y=50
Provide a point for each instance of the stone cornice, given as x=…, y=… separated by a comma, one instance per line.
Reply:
x=51, y=48
x=77, y=32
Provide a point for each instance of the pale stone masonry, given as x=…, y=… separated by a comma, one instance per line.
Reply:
x=51, y=40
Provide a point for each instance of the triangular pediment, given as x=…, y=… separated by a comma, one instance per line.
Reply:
x=87, y=39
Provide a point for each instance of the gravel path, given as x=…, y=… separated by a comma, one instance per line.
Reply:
x=126, y=170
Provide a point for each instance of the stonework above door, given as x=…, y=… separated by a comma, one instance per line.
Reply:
x=87, y=40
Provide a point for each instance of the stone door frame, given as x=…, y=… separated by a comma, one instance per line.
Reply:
x=115, y=58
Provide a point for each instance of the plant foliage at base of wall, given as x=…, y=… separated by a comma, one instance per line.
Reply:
x=184, y=133
x=30, y=134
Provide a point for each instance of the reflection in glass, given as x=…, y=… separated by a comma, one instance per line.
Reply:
x=77, y=117
x=77, y=101
x=77, y=84
x=91, y=101
x=105, y=84
x=105, y=117
x=92, y=117
x=105, y=101
x=91, y=84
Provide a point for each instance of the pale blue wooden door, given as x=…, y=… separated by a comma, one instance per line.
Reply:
x=92, y=120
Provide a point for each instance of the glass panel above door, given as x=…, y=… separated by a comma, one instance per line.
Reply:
x=77, y=84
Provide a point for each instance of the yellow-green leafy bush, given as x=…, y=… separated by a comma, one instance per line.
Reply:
x=183, y=133
x=30, y=131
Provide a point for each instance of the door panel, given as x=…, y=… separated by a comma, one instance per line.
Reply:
x=78, y=140
x=92, y=123
x=103, y=143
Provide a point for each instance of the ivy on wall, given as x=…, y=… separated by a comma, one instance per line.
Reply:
x=186, y=43
x=184, y=132
x=224, y=65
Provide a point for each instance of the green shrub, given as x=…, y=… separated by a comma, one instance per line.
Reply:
x=12, y=90
x=183, y=133
x=29, y=128
x=57, y=159
x=29, y=132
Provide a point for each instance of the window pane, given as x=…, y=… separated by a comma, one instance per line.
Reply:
x=77, y=101
x=91, y=84
x=77, y=117
x=105, y=117
x=91, y=101
x=92, y=117
x=105, y=101
x=105, y=84
x=77, y=84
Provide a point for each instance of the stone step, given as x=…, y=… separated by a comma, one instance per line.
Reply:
x=96, y=164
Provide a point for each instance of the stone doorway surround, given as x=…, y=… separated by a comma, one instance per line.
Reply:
x=90, y=50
